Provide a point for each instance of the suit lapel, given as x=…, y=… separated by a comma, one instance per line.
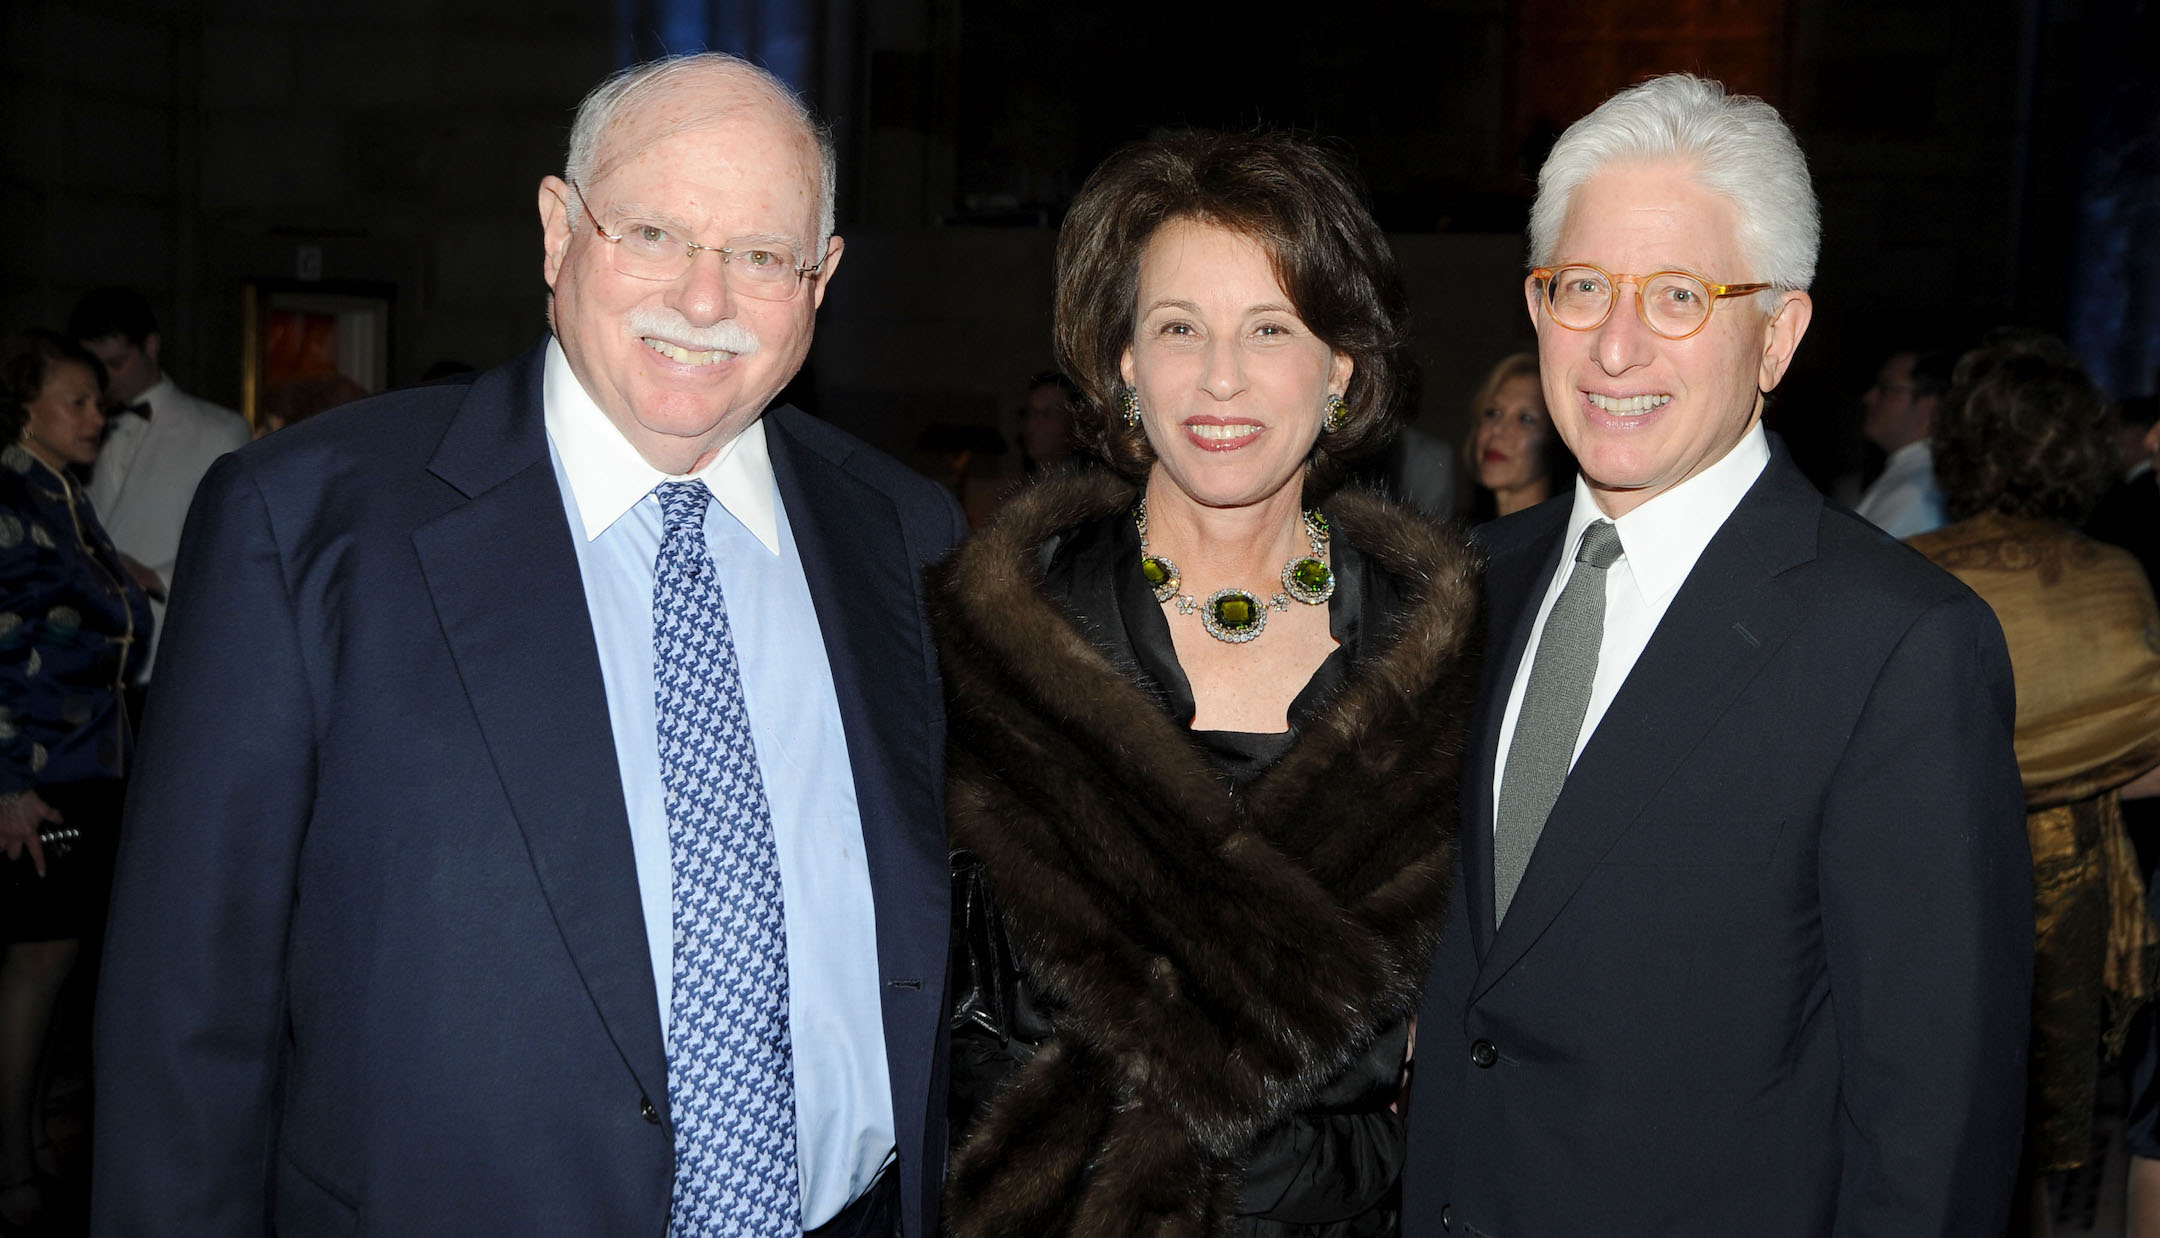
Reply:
x=868, y=598
x=1728, y=620
x=1515, y=582
x=503, y=573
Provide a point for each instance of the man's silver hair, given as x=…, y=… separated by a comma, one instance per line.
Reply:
x=1734, y=145
x=639, y=83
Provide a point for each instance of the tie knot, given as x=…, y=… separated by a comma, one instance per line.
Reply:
x=1600, y=545
x=682, y=504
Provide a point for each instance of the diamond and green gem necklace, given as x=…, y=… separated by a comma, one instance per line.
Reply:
x=1237, y=615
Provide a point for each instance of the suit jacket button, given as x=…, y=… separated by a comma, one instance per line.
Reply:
x=645, y=1110
x=1447, y=1217
x=1484, y=1054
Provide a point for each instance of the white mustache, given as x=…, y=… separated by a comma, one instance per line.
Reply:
x=727, y=335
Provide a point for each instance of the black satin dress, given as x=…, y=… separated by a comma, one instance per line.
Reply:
x=1332, y=1170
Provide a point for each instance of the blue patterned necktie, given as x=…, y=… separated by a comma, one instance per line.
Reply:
x=731, y=1071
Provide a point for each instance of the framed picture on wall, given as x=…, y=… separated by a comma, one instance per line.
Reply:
x=304, y=343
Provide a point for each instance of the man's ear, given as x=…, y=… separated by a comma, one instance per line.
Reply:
x=150, y=345
x=1781, y=337
x=824, y=276
x=554, y=226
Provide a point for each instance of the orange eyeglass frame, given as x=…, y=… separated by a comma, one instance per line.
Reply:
x=1718, y=292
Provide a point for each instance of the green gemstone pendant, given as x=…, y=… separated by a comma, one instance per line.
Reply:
x=1233, y=615
x=1309, y=580
x=1162, y=577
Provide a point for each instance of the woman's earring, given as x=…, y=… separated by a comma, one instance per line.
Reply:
x=1336, y=414
x=1132, y=408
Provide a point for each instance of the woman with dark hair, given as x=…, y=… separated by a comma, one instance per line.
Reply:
x=2024, y=448
x=1513, y=455
x=72, y=626
x=1205, y=720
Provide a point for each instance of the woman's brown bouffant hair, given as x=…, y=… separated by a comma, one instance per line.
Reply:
x=1302, y=206
x=2024, y=431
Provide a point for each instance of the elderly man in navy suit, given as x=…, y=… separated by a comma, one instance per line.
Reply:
x=539, y=827
x=1744, y=941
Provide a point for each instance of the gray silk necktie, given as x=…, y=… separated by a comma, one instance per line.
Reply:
x=1553, y=705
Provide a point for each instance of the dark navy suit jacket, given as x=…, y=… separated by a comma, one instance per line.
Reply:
x=376, y=960
x=1768, y=970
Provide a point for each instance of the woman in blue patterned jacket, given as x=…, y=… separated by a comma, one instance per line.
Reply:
x=72, y=628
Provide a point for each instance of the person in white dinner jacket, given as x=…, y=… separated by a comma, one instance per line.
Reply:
x=161, y=443
x=1905, y=500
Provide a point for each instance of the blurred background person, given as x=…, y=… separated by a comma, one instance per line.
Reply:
x=161, y=442
x=73, y=626
x=981, y=468
x=1046, y=424
x=1512, y=454
x=970, y=463
x=1417, y=470
x=1206, y=714
x=2134, y=419
x=2023, y=448
x=297, y=399
x=1901, y=405
x=2129, y=516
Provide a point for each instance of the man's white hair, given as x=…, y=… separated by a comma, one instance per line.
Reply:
x=1734, y=145
x=640, y=83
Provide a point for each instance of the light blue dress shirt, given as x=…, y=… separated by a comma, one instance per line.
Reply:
x=843, y=1094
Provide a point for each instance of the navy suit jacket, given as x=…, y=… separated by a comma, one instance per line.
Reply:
x=376, y=960
x=1768, y=970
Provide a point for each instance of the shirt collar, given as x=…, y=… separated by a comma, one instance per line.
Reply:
x=1664, y=537
x=1912, y=457
x=157, y=393
x=608, y=477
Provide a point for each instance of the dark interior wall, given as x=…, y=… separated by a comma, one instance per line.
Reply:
x=1413, y=91
x=1910, y=113
x=2092, y=218
x=96, y=154
x=1920, y=119
x=189, y=146
x=200, y=144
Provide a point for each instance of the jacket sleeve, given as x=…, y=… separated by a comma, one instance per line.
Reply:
x=191, y=1012
x=20, y=584
x=1927, y=905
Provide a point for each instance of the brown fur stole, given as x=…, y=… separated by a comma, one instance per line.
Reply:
x=1219, y=957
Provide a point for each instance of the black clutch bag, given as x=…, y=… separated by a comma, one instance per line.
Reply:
x=59, y=842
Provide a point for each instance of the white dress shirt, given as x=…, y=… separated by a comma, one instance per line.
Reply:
x=146, y=476
x=1905, y=500
x=843, y=1089
x=1660, y=542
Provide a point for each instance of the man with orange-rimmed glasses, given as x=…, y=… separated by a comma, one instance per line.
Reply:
x=1743, y=943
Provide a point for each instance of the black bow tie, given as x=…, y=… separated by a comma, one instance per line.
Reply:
x=140, y=409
